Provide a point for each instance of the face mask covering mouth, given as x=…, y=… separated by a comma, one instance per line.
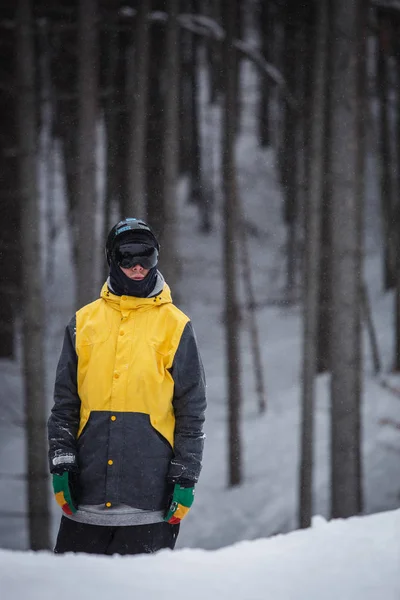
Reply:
x=122, y=285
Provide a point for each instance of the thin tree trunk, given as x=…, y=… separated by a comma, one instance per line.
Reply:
x=252, y=316
x=396, y=361
x=32, y=325
x=121, y=138
x=361, y=131
x=111, y=45
x=213, y=54
x=306, y=50
x=186, y=47
x=309, y=49
x=232, y=318
x=136, y=184
x=10, y=198
x=69, y=120
x=88, y=74
x=155, y=179
x=289, y=159
x=346, y=265
x=238, y=33
x=385, y=152
x=171, y=148
x=367, y=314
x=65, y=123
x=199, y=194
x=266, y=33
x=311, y=268
x=325, y=272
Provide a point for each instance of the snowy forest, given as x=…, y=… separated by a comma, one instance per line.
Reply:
x=261, y=141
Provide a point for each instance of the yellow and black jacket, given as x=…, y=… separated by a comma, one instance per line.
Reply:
x=129, y=401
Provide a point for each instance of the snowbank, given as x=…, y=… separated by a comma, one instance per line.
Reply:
x=352, y=559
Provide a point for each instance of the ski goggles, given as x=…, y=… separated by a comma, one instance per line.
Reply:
x=129, y=255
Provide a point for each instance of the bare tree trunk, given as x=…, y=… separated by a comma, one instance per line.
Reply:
x=289, y=155
x=311, y=268
x=385, y=151
x=136, y=184
x=232, y=318
x=198, y=192
x=213, y=54
x=110, y=43
x=64, y=61
x=367, y=314
x=47, y=146
x=186, y=47
x=346, y=265
x=252, y=316
x=266, y=34
x=88, y=74
x=361, y=131
x=238, y=34
x=325, y=286
x=32, y=325
x=309, y=49
x=155, y=180
x=121, y=138
x=170, y=263
x=71, y=165
x=396, y=361
x=306, y=50
x=10, y=200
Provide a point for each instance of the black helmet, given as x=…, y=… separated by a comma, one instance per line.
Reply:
x=122, y=231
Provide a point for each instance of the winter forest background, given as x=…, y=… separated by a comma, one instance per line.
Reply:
x=261, y=140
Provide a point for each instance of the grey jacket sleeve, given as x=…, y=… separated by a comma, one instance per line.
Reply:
x=189, y=405
x=63, y=423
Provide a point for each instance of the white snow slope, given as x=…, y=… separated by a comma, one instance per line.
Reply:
x=354, y=559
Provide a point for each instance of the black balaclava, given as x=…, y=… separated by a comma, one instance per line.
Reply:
x=123, y=285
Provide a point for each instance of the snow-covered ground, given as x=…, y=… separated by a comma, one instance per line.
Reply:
x=266, y=502
x=357, y=559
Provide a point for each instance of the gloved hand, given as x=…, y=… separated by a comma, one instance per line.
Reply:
x=62, y=487
x=182, y=500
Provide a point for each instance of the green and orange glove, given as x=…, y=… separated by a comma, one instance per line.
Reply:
x=63, y=492
x=182, y=500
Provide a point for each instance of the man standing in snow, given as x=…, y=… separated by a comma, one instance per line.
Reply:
x=126, y=429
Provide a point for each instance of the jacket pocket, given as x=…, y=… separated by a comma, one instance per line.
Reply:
x=163, y=439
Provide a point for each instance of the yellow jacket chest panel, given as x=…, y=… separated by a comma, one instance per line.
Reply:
x=125, y=348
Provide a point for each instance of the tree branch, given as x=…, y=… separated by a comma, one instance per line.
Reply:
x=207, y=27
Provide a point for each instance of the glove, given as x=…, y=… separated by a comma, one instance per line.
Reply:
x=182, y=500
x=63, y=492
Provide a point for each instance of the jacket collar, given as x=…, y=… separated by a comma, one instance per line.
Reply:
x=163, y=296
